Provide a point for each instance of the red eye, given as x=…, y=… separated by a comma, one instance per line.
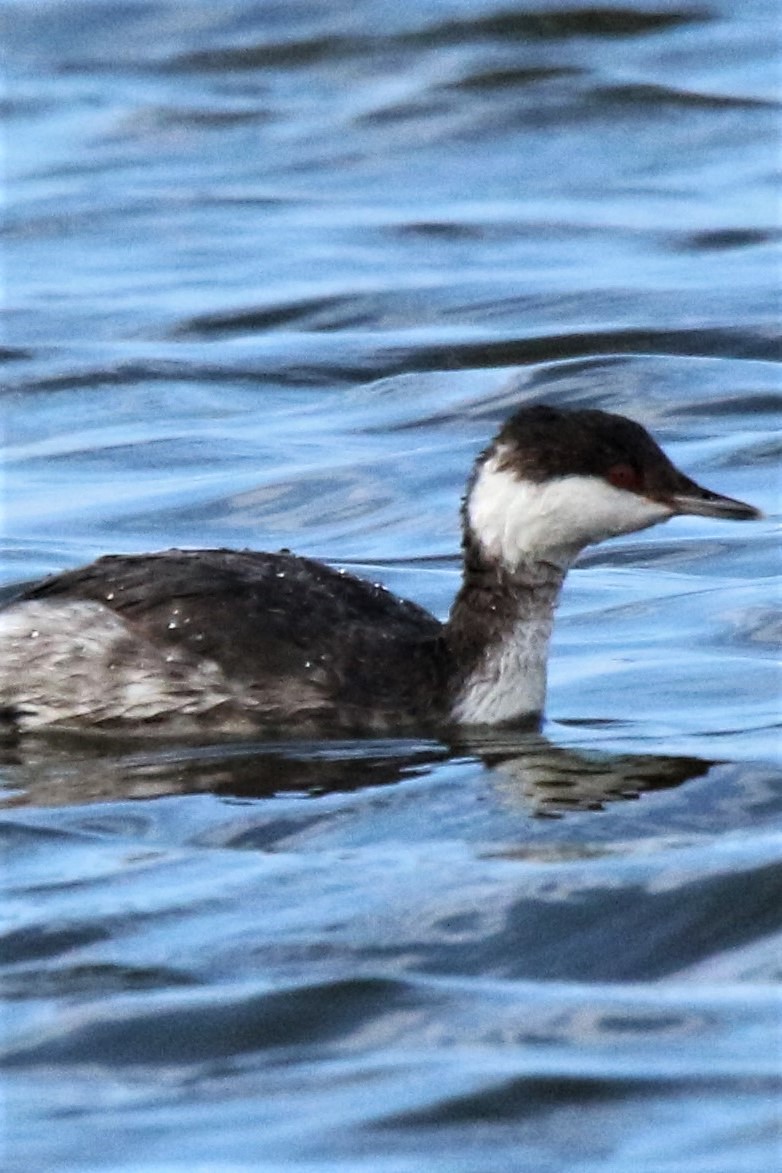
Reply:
x=623, y=476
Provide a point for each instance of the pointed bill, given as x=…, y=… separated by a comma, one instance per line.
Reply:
x=692, y=498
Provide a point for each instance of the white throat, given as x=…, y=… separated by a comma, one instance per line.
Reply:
x=511, y=680
x=518, y=521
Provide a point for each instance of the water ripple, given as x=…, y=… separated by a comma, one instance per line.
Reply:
x=276, y=273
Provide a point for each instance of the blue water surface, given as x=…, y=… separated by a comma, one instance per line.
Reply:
x=274, y=274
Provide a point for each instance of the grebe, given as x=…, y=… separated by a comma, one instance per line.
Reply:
x=240, y=640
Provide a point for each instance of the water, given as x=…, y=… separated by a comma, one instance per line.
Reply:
x=274, y=273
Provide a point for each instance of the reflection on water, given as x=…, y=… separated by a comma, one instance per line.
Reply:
x=274, y=273
x=50, y=771
x=549, y=780
x=527, y=770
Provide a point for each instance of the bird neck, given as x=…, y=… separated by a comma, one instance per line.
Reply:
x=498, y=632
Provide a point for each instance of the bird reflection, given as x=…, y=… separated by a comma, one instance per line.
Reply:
x=527, y=770
x=532, y=772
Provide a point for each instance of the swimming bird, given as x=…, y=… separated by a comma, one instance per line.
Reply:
x=243, y=640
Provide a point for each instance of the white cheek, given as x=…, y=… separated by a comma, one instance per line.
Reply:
x=516, y=520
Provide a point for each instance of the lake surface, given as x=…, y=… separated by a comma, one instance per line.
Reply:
x=274, y=274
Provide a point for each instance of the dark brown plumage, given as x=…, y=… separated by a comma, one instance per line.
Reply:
x=239, y=639
x=318, y=633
